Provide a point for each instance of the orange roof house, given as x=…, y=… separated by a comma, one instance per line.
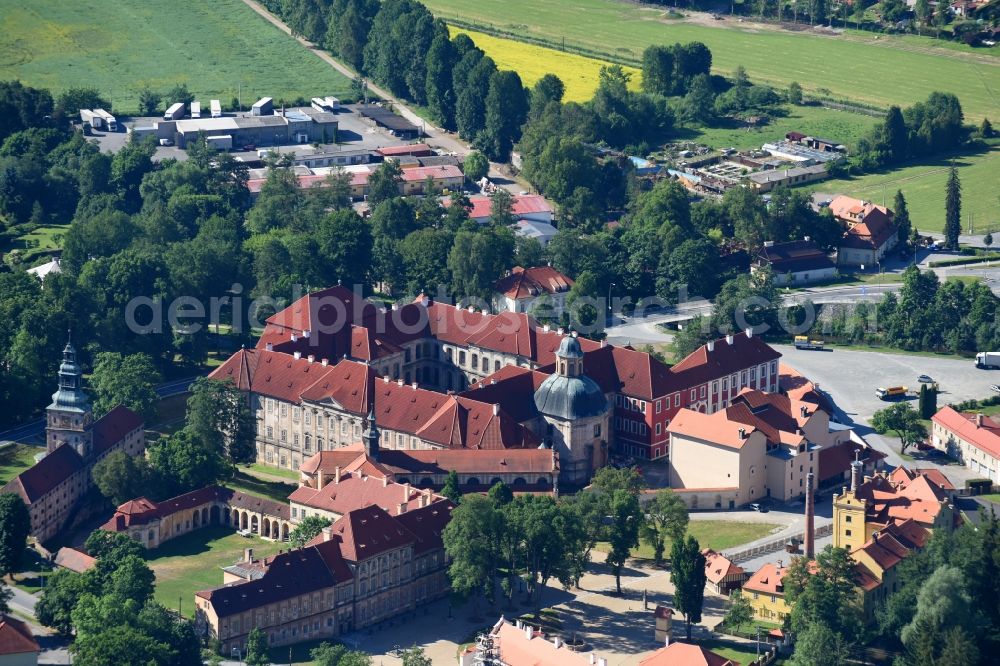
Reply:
x=683, y=654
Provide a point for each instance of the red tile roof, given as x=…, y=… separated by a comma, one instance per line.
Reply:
x=873, y=233
x=530, y=647
x=74, y=560
x=835, y=460
x=355, y=491
x=528, y=283
x=422, y=173
x=427, y=524
x=369, y=532
x=16, y=637
x=42, y=477
x=704, y=365
x=522, y=204
x=142, y=511
x=113, y=427
x=417, y=149
x=529, y=462
x=794, y=257
x=718, y=567
x=984, y=434
x=718, y=428
x=684, y=654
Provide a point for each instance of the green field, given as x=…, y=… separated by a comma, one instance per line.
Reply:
x=213, y=47
x=923, y=186
x=876, y=69
x=193, y=562
x=15, y=459
x=841, y=126
x=715, y=534
x=252, y=485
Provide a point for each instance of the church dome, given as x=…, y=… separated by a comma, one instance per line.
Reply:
x=569, y=348
x=570, y=398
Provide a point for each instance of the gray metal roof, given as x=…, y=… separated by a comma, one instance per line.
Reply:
x=570, y=398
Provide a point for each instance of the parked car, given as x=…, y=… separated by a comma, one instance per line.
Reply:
x=166, y=142
x=995, y=388
x=925, y=379
x=759, y=508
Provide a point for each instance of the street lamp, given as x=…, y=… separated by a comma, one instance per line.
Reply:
x=610, y=311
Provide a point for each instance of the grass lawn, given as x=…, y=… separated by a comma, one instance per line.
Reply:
x=715, y=534
x=742, y=653
x=35, y=246
x=15, y=459
x=270, y=489
x=192, y=562
x=875, y=69
x=271, y=471
x=923, y=186
x=992, y=497
x=213, y=47
x=815, y=120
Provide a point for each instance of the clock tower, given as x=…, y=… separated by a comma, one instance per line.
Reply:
x=69, y=417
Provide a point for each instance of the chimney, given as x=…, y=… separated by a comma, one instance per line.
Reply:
x=269, y=346
x=311, y=358
x=248, y=555
x=560, y=330
x=327, y=533
x=472, y=308
x=399, y=382
x=528, y=632
x=496, y=409
x=979, y=420
x=601, y=661
x=297, y=355
x=294, y=337
x=406, y=491
x=305, y=334
x=730, y=339
x=424, y=301
x=556, y=642
x=320, y=481
x=711, y=345
x=856, y=468
x=413, y=386
x=749, y=332
x=593, y=658
x=810, y=517
x=804, y=411
x=395, y=306
x=604, y=342
x=743, y=433
x=325, y=361
x=546, y=328
x=336, y=475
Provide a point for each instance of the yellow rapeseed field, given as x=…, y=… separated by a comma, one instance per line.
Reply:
x=578, y=73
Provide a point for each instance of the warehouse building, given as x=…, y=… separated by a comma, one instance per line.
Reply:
x=298, y=125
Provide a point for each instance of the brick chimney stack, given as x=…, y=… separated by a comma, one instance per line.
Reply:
x=810, y=518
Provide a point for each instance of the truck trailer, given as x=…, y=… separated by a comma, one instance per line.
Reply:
x=175, y=112
x=216, y=108
x=263, y=107
x=196, y=109
x=110, y=123
x=891, y=393
x=802, y=342
x=983, y=359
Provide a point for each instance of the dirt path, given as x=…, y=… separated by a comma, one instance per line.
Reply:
x=436, y=137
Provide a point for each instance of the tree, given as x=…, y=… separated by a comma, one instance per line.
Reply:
x=121, y=477
x=506, y=110
x=953, y=210
x=501, y=494
x=623, y=533
x=58, y=599
x=944, y=601
x=15, y=525
x=658, y=70
x=902, y=419
x=502, y=208
x=609, y=479
x=986, y=128
x=415, y=656
x=125, y=380
x=476, y=166
x=149, y=102
x=384, y=182
x=183, y=463
x=547, y=90
x=902, y=218
x=794, y=93
x=825, y=593
x=818, y=645
x=469, y=539
x=218, y=415
x=451, y=488
x=326, y=654
x=478, y=258
x=928, y=401
x=740, y=611
x=179, y=93
x=666, y=516
x=132, y=580
x=699, y=102
x=5, y=596
x=257, y=648
x=922, y=8
x=310, y=527
x=988, y=240
x=688, y=576
x=440, y=61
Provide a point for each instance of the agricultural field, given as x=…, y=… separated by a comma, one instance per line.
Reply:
x=219, y=49
x=864, y=67
x=578, y=73
x=923, y=186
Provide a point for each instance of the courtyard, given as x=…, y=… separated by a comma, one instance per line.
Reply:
x=194, y=562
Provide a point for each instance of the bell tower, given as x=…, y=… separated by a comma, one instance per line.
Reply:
x=69, y=417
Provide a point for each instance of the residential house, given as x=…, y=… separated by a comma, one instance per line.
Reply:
x=766, y=593
x=75, y=560
x=684, y=654
x=869, y=233
x=722, y=575
x=973, y=439
x=795, y=263
x=518, y=644
x=540, y=290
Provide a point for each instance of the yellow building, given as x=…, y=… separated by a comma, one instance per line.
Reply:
x=766, y=593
